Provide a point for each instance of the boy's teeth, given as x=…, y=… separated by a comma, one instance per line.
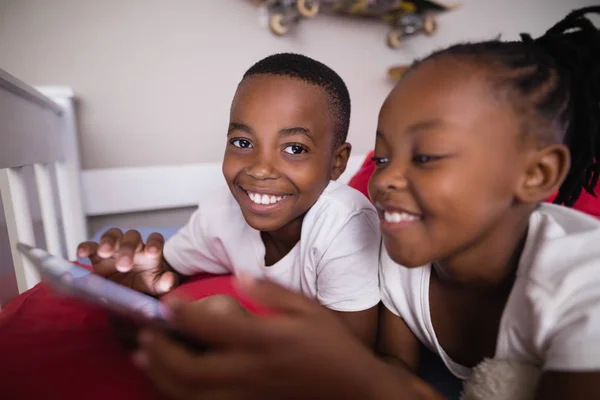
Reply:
x=396, y=217
x=264, y=198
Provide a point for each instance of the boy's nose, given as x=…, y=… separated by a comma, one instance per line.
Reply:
x=262, y=169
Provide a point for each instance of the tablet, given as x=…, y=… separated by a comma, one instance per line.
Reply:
x=75, y=281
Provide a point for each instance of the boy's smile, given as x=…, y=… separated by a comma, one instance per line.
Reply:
x=280, y=154
x=264, y=201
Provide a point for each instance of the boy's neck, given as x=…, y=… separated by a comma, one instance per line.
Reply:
x=492, y=262
x=280, y=242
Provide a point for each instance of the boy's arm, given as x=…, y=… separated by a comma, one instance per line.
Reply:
x=192, y=249
x=362, y=323
x=347, y=276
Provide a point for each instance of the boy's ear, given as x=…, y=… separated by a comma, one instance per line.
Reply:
x=340, y=159
x=546, y=170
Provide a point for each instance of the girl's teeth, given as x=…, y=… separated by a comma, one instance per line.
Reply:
x=264, y=198
x=396, y=217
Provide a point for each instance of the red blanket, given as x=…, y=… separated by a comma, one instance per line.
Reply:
x=57, y=348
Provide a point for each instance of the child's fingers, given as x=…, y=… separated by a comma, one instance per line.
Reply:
x=86, y=249
x=173, y=388
x=109, y=242
x=214, y=323
x=154, y=245
x=162, y=379
x=207, y=370
x=130, y=243
x=164, y=282
x=274, y=296
x=89, y=250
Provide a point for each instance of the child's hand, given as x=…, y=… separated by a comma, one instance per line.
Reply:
x=126, y=331
x=304, y=352
x=123, y=258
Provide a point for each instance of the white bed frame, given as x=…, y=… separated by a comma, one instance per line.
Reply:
x=40, y=135
x=38, y=132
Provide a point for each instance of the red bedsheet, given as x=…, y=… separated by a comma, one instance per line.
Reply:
x=57, y=348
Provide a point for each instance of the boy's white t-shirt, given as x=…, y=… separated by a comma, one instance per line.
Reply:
x=552, y=317
x=335, y=261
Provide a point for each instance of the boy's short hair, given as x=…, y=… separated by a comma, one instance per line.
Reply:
x=315, y=73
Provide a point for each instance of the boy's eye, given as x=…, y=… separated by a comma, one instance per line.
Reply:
x=379, y=160
x=241, y=143
x=295, y=149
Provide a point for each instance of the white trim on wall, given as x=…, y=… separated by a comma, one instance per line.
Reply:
x=123, y=190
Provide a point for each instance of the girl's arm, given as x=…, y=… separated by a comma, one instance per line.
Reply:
x=555, y=385
x=396, y=343
x=566, y=322
x=303, y=351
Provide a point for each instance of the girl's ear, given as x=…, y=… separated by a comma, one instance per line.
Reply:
x=340, y=159
x=545, y=171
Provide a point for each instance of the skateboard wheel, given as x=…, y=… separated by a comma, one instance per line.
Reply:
x=394, y=39
x=429, y=25
x=307, y=8
x=397, y=72
x=277, y=25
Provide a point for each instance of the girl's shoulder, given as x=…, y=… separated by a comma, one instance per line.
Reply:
x=562, y=250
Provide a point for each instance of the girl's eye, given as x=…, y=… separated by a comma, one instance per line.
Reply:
x=423, y=159
x=295, y=149
x=241, y=143
x=379, y=160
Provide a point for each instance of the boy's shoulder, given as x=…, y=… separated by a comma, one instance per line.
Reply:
x=340, y=210
x=339, y=198
x=562, y=249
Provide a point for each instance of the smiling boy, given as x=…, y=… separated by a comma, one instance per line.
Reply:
x=283, y=216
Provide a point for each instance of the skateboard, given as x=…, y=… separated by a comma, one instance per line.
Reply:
x=406, y=18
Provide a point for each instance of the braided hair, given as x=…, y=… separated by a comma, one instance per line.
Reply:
x=554, y=82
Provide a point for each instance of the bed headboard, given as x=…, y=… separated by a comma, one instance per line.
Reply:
x=40, y=196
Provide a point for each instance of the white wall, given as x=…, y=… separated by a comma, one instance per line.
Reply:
x=156, y=77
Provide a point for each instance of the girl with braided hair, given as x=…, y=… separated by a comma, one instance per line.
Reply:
x=579, y=67
x=470, y=143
